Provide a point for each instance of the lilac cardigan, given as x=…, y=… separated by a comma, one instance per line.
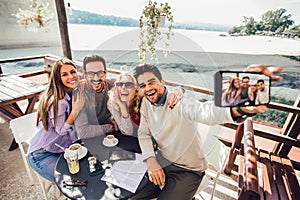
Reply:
x=63, y=134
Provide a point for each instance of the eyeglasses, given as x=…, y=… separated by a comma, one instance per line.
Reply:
x=91, y=74
x=128, y=85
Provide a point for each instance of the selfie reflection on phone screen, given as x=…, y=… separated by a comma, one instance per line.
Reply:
x=245, y=89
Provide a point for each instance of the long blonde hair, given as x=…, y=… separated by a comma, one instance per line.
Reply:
x=55, y=91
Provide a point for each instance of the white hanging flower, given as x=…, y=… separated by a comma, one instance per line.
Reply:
x=38, y=13
x=149, y=29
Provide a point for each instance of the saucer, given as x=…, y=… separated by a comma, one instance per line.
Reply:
x=116, y=141
x=81, y=153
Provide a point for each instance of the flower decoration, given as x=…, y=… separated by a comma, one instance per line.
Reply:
x=38, y=13
x=154, y=16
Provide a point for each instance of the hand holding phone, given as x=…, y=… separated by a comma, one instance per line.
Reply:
x=237, y=88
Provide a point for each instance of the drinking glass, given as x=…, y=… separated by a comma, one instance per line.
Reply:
x=73, y=163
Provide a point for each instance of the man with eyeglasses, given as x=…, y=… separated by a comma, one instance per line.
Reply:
x=245, y=89
x=95, y=119
x=245, y=86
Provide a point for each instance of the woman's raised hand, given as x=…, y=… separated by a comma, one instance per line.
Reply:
x=117, y=98
x=77, y=103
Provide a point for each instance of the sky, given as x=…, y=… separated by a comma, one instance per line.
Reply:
x=220, y=12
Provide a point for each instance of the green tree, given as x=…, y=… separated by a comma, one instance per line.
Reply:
x=276, y=21
x=272, y=21
x=293, y=31
x=250, y=25
x=236, y=30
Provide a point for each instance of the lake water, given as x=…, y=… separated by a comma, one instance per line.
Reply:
x=195, y=55
x=90, y=37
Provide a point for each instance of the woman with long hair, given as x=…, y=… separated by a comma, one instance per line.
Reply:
x=56, y=113
x=124, y=104
x=231, y=97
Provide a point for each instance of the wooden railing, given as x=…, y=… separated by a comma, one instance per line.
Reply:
x=287, y=139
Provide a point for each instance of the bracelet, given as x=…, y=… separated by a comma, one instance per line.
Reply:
x=242, y=113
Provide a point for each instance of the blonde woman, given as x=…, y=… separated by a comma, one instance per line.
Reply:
x=124, y=104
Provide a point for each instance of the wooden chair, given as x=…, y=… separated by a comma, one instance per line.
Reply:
x=262, y=175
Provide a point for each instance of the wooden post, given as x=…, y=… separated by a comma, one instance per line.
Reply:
x=63, y=27
x=234, y=151
x=251, y=174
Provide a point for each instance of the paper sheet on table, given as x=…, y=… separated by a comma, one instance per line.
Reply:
x=127, y=174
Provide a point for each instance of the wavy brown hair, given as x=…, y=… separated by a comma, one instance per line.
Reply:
x=54, y=92
x=230, y=89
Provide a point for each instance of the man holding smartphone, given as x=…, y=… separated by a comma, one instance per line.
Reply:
x=177, y=136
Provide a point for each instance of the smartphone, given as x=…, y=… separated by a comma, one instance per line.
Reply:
x=238, y=88
x=116, y=155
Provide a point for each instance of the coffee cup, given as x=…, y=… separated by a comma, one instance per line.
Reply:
x=75, y=147
x=109, y=139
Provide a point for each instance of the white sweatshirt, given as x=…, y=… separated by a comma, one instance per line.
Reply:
x=175, y=130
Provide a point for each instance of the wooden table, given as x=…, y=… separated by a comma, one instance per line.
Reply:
x=14, y=89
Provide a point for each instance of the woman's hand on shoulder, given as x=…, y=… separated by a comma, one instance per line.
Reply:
x=78, y=103
x=175, y=96
x=81, y=85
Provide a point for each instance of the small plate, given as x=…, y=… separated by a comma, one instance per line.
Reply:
x=81, y=153
x=116, y=141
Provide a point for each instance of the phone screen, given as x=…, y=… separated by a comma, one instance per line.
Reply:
x=236, y=88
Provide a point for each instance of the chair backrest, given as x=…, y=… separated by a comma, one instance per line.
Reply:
x=23, y=127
